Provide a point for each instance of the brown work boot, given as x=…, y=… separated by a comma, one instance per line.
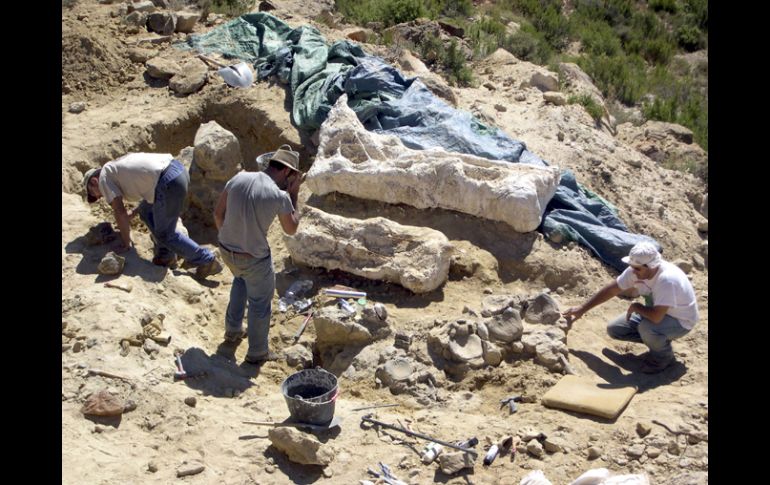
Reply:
x=653, y=366
x=234, y=336
x=207, y=269
x=270, y=356
x=168, y=262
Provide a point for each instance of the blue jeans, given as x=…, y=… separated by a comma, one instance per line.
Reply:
x=656, y=336
x=254, y=281
x=162, y=215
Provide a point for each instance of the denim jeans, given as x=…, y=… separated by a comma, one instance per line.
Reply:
x=254, y=281
x=161, y=217
x=656, y=336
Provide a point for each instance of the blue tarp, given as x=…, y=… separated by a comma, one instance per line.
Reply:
x=387, y=102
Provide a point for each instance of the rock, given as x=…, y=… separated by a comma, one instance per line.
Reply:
x=520, y=97
x=265, y=6
x=653, y=452
x=78, y=347
x=402, y=341
x=555, y=97
x=643, y=429
x=301, y=448
x=102, y=403
x=465, y=348
x=360, y=163
x=704, y=207
x=500, y=107
x=152, y=467
x=163, y=23
x=496, y=304
x=150, y=346
x=101, y=233
x=578, y=82
x=111, y=264
x=535, y=449
x=161, y=68
x=555, y=444
x=482, y=331
x=193, y=76
x=217, y=152
x=417, y=258
x=674, y=448
x=594, y=453
x=505, y=328
x=299, y=356
x=492, y=354
x=185, y=21
x=139, y=55
x=77, y=107
x=135, y=20
x=685, y=266
x=144, y=6
x=544, y=82
x=452, y=30
x=334, y=327
x=438, y=87
x=453, y=462
x=129, y=406
x=635, y=451
x=542, y=309
x=191, y=401
x=358, y=35
x=186, y=469
x=703, y=226
x=410, y=63
x=393, y=371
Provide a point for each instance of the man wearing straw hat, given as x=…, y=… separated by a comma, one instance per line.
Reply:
x=246, y=208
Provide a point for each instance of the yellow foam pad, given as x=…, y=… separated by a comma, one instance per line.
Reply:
x=577, y=394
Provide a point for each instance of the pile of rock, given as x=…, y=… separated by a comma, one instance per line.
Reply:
x=500, y=333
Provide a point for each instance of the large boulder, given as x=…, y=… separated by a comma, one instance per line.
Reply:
x=335, y=328
x=217, y=152
x=193, y=76
x=378, y=249
x=357, y=162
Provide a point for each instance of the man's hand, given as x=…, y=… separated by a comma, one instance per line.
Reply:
x=294, y=182
x=632, y=308
x=573, y=314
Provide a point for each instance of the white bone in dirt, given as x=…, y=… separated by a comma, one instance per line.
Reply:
x=417, y=258
x=368, y=165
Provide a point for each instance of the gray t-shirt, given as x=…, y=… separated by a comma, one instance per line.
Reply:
x=133, y=176
x=253, y=200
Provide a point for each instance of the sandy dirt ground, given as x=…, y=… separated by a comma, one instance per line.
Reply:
x=125, y=112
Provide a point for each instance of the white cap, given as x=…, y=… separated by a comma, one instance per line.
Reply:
x=643, y=254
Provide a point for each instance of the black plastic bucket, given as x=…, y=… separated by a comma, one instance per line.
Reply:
x=310, y=395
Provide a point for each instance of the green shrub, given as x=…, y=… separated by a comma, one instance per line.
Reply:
x=399, y=11
x=689, y=37
x=592, y=107
x=232, y=8
x=664, y=5
x=618, y=77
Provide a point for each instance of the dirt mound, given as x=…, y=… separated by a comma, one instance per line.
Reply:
x=92, y=61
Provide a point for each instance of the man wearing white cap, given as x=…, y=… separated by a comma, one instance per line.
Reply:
x=245, y=210
x=670, y=310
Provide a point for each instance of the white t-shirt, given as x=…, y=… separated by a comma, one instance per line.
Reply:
x=669, y=287
x=133, y=176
